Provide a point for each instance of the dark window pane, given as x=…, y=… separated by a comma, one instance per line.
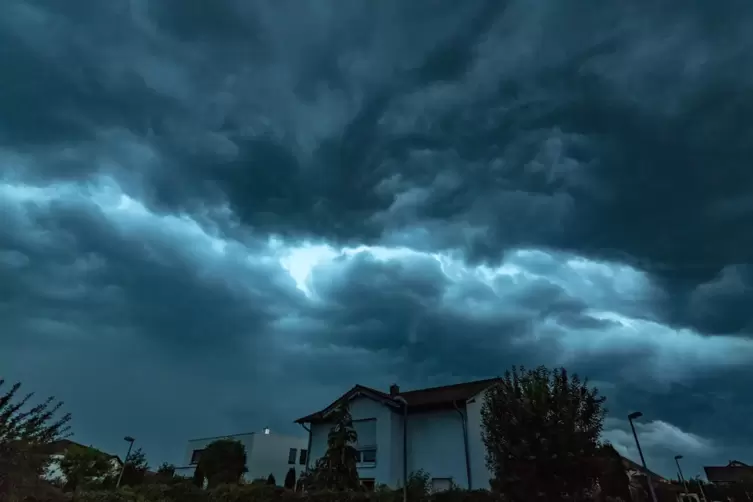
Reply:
x=368, y=456
x=292, y=455
x=304, y=454
x=195, y=456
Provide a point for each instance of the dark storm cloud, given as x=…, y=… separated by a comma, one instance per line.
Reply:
x=135, y=271
x=621, y=133
x=605, y=140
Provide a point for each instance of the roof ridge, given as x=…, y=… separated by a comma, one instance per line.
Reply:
x=451, y=385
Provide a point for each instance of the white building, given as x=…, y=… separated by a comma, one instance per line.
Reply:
x=266, y=453
x=437, y=430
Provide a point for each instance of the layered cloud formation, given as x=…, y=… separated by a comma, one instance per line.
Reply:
x=220, y=215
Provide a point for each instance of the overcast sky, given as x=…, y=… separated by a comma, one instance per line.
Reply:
x=220, y=215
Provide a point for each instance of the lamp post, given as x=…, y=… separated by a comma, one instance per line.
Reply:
x=700, y=487
x=631, y=417
x=125, y=461
x=679, y=469
x=402, y=401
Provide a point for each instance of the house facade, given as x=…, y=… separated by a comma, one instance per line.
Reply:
x=437, y=430
x=266, y=453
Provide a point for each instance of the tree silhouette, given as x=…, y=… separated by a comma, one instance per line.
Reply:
x=25, y=432
x=336, y=470
x=271, y=480
x=83, y=467
x=541, y=431
x=135, y=468
x=290, y=479
x=223, y=461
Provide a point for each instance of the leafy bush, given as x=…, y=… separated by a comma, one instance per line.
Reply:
x=419, y=486
x=185, y=491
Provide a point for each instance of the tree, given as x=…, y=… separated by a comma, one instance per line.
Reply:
x=25, y=431
x=290, y=479
x=541, y=431
x=223, y=461
x=135, y=468
x=83, y=467
x=271, y=480
x=336, y=470
x=166, y=470
x=198, y=477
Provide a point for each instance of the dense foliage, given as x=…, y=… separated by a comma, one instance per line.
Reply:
x=187, y=492
x=541, y=432
x=166, y=471
x=24, y=431
x=223, y=461
x=290, y=479
x=135, y=468
x=336, y=470
x=84, y=467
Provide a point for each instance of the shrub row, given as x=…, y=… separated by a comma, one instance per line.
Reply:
x=186, y=492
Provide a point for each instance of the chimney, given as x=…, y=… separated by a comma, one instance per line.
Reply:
x=394, y=390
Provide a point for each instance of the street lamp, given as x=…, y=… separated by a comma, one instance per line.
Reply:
x=631, y=417
x=122, y=470
x=401, y=400
x=679, y=470
x=699, y=483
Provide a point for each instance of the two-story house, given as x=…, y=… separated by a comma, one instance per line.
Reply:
x=437, y=430
x=266, y=453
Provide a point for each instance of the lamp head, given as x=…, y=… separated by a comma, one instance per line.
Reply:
x=634, y=415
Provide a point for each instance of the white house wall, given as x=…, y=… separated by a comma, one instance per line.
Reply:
x=397, y=450
x=265, y=454
x=363, y=408
x=436, y=444
x=480, y=475
x=269, y=455
x=247, y=440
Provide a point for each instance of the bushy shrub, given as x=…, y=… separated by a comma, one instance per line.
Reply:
x=254, y=492
x=186, y=492
x=456, y=495
x=419, y=486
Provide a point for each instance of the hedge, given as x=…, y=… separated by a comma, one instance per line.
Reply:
x=186, y=492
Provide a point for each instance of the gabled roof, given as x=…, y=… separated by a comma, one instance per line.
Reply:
x=733, y=472
x=61, y=446
x=416, y=399
x=446, y=393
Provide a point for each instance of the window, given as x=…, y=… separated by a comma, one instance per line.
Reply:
x=367, y=456
x=304, y=454
x=195, y=456
x=368, y=484
x=366, y=431
x=291, y=455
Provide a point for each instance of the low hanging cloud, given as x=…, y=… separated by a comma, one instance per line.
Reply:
x=210, y=205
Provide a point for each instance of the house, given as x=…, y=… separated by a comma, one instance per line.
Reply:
x=436, y=429
x=56, y=451
x=734, y=472
x=266, y=453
